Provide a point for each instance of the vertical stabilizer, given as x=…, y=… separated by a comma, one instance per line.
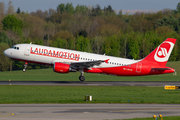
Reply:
x=162, y=53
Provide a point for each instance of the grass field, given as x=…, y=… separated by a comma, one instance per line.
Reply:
x=164, y=118
x=75, y=94
x=49, y=75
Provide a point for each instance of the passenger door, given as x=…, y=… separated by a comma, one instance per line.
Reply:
x=27, y=50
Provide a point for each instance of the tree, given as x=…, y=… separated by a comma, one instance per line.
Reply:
x=51, y=12
x=83, y=33
x=4, y=61
x=63, y=35
x=97, y=44
x=11, y=22
x=50, y=31
x=170, y=22
x=69, y=8
x=10, y=9
x=2, y=9
x=60, y=43
x=13, y=26
x=41, y=14
x=83, y=44
x=139, y=23
x=108, y=10
x=61, y=8
x=112, y=46
x=107, y=30
x=132, y=46
x=4, y=39
x=96, y=11
x=33, y=27
x=18, y=10
x=81, y=9
x=178, y=7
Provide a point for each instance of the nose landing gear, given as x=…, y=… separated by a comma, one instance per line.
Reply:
x=25, y=66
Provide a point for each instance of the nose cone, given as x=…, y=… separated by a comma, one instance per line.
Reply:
x=6, y=53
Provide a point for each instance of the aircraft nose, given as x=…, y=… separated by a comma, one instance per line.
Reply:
x=6, y=52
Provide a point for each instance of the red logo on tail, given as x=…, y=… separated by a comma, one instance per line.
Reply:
x=163, y=51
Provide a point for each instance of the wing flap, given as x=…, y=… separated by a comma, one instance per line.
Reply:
x=87, y=65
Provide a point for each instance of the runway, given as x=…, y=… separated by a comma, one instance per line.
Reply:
x=92, y=83
x=85, y=111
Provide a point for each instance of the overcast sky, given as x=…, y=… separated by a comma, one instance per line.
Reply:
x=33, y=5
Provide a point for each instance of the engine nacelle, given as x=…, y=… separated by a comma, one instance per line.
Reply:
x=61, y=68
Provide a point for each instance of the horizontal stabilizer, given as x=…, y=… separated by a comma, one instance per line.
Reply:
x=160, y=69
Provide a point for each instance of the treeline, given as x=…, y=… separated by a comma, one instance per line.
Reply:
x=90, y=29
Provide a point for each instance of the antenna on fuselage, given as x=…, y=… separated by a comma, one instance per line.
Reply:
x=104, y=53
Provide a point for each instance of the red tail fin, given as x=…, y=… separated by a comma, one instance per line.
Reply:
x=161, y=54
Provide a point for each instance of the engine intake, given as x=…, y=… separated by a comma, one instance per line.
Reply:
x=61, y=68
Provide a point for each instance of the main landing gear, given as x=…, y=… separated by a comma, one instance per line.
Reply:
x=81, y=77
x=25, y=66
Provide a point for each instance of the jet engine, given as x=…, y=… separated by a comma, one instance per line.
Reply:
x=62, y=68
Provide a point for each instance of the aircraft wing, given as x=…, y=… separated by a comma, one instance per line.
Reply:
x=87, y=65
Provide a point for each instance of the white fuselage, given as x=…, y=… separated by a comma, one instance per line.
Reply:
x=50, y=55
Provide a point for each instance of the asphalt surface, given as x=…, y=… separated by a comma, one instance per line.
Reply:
x=85, y=111
x=92, y=83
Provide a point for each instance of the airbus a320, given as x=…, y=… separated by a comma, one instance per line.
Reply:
x=65, y=61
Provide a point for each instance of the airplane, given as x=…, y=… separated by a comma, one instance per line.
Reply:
x=65, y=61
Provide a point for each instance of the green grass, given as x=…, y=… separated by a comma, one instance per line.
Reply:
x=164, y=118
x=49, y=75
x=75, y=94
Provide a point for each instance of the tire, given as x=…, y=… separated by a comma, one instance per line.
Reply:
x=81, y=78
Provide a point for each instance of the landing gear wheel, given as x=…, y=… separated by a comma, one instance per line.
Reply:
x=25, y=66
x=81, y=78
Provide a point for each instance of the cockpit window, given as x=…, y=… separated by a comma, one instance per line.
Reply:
x=17, y=48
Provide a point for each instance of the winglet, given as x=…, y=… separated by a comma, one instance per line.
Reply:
x=106, y=61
